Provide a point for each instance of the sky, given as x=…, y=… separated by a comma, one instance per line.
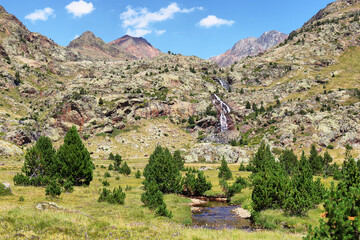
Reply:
x=203, y=28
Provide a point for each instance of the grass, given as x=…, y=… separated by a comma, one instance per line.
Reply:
x=82, y=217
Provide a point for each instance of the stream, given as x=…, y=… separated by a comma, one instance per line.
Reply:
x=218, y=215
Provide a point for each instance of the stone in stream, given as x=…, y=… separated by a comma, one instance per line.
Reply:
x=243, y=213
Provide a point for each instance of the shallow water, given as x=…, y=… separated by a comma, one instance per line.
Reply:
x=218, y=215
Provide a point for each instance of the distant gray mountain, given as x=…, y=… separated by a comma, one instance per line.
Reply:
x=250, y=47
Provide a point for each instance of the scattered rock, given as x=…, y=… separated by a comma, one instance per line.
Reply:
x=243, y=213
x=47, y=205
x=205, y=168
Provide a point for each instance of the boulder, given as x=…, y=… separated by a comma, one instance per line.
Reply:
x=8, y=149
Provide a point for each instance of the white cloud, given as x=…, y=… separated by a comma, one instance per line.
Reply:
x=76, y=36
x=139, y=20
x=79, y=8
x=40, y=14
x=213, y=21
x=160, y=32
x=138, y=32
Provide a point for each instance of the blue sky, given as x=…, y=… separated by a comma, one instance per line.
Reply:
x=203, y=28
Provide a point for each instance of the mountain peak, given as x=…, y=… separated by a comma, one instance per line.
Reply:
x=250, y=46
x=137, y=46
x=93, y=47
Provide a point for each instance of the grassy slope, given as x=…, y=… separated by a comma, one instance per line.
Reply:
x=85, y=218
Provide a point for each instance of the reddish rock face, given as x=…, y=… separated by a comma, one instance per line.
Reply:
x=73, y=113
x=138, y=47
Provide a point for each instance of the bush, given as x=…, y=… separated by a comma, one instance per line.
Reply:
x=21, y=199
x=111, y=167
x=162, y=211
x=105, y=183
x=239, y=184
x=4, y=191
x=330, y=146
x=196, y=186
x=152, y=197
x=20, y=179
x=101, y=102
x=68, y=187
x=242, y=168
x=107, y=175
x=53, y=189
x=116, y=197
x=138, y=174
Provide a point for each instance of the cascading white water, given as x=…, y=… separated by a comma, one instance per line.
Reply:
x=223, y=83
x=225, y=109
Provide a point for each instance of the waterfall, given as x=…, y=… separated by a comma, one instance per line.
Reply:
x=223, y=83
x=224, y=109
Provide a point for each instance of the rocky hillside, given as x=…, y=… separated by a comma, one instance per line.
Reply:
x=94, y=48
x=138, y=47
x=303, y=91
x=250, y=47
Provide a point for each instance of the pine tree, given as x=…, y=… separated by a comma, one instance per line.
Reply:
x=138, y=174
x=40, y=164
x=300, y=198
x=117, y=162
x=163, y=169
x=269, y=180
x=288, y=161
x=125, y=169
x=316, y=161
x=248, y=105
x=224, y=170
x=342, y=205
x=77, y=166
x=327, y=160
x=262, y=159
x=178, y=159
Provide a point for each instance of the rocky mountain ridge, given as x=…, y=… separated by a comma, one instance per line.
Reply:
x=93, y=47
x=250, y=47
x=136, y=46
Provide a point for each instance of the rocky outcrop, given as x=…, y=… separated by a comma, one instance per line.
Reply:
x=159, y=109
x=209, y=152
x=8, y=149
x=249, y=47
